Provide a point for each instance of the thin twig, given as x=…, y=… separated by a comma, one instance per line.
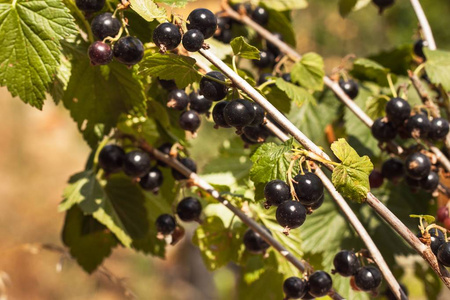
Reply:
x=426, y=29
x=423, y=94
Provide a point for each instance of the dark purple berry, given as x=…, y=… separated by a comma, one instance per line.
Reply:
x=319, y=284
x=291, y=214
x=165, y=149
x=418, y=48
x=100, y=53
x=383, y=4
x=199, y=103
x=260, y=15
x=266, y=59
x=136, y=163
x=397, y=111
x=167, y=36
x=443, y=254
x=392, y=169
x=217, y=114
x=128, y=50
x=308, y=187
x=418, y=125
x=294, y=287
x=167, y=84
x=178, y=99
x=259, y=114
x=90, y=5
x=203, y=20
x=239, y=113
x=188, y=163
x=105, y=25
x=383, y=131
x=417, y=166
x=346, y=263
x=190, y=121
x=254, y=242
x=256, y=134
x=165, y=224
x=193, y=40
x=437, y=239
x=376, y=179
x=152, y=180
x=189, y=209
x=350, y=87
x=430, y=182
x=111, y=158
x=438, y=129
x=368, y=278
x=276, y=192
x=211, y=89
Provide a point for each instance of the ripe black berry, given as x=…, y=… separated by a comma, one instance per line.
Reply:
x=217, y=114
x=100, y=53
x=295, y=287
x=392, y=169
x=254, y=242
x=178, y=99
x=383, y=4
x=272, y=47
x=319, y=283
x=437, y=239
x=190, y=121
x=164, y=148
x=397, y=111
x=266, y=59
x=165, y=224
x=368, y=278
x=430, y=182
x=152, y=180
x=383, y=131
x=193, y=40
x=259, y=114
x=128, y=50
x=438, y=129
x=276, y=192
x=376, y=179
x=188, y=163
x=350, y=87
x=90, y=5
x=239, y=113
x=316, y=204
x=308, y=296
x=167, y=84
x=443, y=254
x=260, y=15
x=211, y=89
x=418, y=125
x=167, y=36
x=203, y=20
x=224, y=23
x=308, y=187
x=256, y=134
x=418, y=48
x=105, y=25
x=199, y=103
x=136, y=163
x=189, y=209
x=291, y=214
x=346, y=263
x=111, y=158
x=417, y=166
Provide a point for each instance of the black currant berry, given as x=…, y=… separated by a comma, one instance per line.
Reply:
x=217, y=114
x=211, y=89
x=417, y=166
x=316, y=204
x=190, y=121
x=397, y=111
x=178, y=99
x=90, y=5
x=167, y=36
x=260, y=15
x=239, y=113
x=105, y=25
x=167, y=84
x=193, y=40
x=276, y=192
x=291, y=214
x=165, y=224
x=430, y=182
x=319, y=283
x=383, y=131
x=418, y=125
x=100, y=53
x=188, y=163
x=136, y=163
x=189, y=209
x=294, y=287
x=256, y=134
x=437, y=239
x=224, y=23
x=259, y=114
x=376, y=179
x=254, y=242
x=111, y=158
x=152, y=180
x=350, y=87
x=247, y=141
x=199, y=103
x=438, y=129
x=128, y=50
x=392, y=169
x=346, y=263
x=390, y=295
x=203, y=20
x=368, y=278
x=272, y=47
x=266, y=59
x=286, y=77
x=308, y=187
x=383, y=4
x=418, y=48
x=164, y=148
x=443, y=254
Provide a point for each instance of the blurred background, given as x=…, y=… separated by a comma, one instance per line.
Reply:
x=41, y=149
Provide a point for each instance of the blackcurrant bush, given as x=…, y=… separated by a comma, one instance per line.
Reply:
x=260, y=15
x=193, y=40
x=211, y=89
x=105, y=25
x=111, y=158
x=100, y=53
x=203, y=20
x=165, y=224
x=418, y=48
x=272, y=47
x=189, y=209
x=239, y=113
x=291, y=214
x=188, y=163
x=276, y=192
x=443, y=254
x=167, y=84
x=346, y=263
x=418, y=125
x=294, y=287
x=308, y=187
x=430, y=182
x=319, y=283
x=217, y=114
x=259, y=114
x=178, y=99
x=90, y=5
x=136, y=163
x=376, y=179
x=383, y=4
x=199, y=103
x=128, y=50
x=438, y=129
x=368, y=278
x=167, y=36
x=152, y=180
x=254, y=242
x=266, y=59
x=417, y=166
x=164, y=148
x=392, y=169
x=442, y=213
x=437, y=238
x=350, y=87
x=390, y=295
x=383, y=131
x=190, y=121
x=256, y=134
x=286, y=77
x=397, y=111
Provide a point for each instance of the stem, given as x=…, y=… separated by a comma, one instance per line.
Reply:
x=86, y=24
x=391, y=85
x=418, y=69
x=214, y=79
x=233, y=61
x=426, y=29
x=265, y=84
x=424, y=95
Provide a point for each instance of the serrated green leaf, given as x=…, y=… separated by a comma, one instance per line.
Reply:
x=375, y=106
x=296, y=93
x=282, y=5
x=30, y=34
x=175, y=3
x=346, y=6
x=438, y=67
x=309, y=71
x=351, y=177
x=367, y=70
x=243, y=49
x=171, y=67
x=149, y=10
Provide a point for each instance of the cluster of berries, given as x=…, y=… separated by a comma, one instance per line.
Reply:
x=437, y=240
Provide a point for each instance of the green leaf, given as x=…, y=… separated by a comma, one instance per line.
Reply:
x=398, y=60
x=278, y=98
x=139, y=127
x=296, y=93
x=346, y=6
x=279, y=22
x=175, y=3
x=243, y=49
x=88, y=240
x=429, y=219
x=351, y=177
x=309, y=71
x=171, y=67
x=149, y=10
x=282, y=5
x=30, y=34
x=438, y=67
x=366, y=69
x=375, y=106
